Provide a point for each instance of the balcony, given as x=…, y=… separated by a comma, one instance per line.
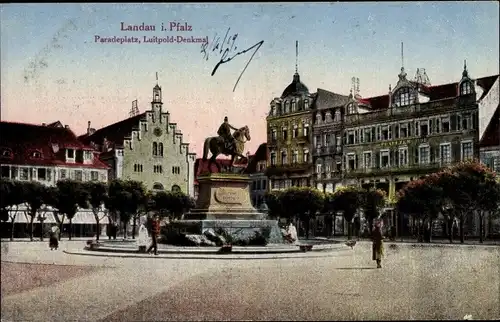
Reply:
x=302, y=139
x=413, y=168
x=327, y=150
x=333, y=175
x=279, y=170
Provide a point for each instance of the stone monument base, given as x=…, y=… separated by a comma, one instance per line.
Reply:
x=238, y=230
x=224, y=208
x=223, y=196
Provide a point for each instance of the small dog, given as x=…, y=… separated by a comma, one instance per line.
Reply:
x=351, y=243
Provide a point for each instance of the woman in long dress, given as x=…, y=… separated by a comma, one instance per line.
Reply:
x=378, y=244
x=143, y=238
x=53, y=240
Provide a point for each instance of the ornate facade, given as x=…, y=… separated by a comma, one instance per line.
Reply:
x=147, y=147
x=289, y=130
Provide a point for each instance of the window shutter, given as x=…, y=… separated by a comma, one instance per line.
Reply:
x=432, y=154
x=377, y=159
x=431, y=126
x=417, y=128
x=396, y=157
x=396, y=131
x=410, y=129
x=416, y=154
x=453, y=122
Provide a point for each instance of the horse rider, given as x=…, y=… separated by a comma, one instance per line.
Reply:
x=225, y=132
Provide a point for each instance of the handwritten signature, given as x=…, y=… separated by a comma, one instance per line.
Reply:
x=225, y=47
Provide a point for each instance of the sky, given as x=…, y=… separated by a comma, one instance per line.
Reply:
x=53, y=69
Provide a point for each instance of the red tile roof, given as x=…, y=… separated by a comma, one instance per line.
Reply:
x=115, y=132
x=436, y=92
x=22, y=140
x=201, y=166
x=260, y=155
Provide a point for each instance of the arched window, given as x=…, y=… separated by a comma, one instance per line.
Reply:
x=402, y=97
x=306, y=104
x=155, y=148
x=287, y=107
x=176, y=188
x=160, y=149
x=157, y=186
x=294, y=104
x=6, y=153
x=36, y=155
x=466, y=88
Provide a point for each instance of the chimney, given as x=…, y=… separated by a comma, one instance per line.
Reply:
x=88, y=128
x=66, y=126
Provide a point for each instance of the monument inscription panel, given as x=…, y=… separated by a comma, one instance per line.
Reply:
x=228, y=196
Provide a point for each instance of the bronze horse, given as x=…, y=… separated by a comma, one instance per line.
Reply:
x=216, y=146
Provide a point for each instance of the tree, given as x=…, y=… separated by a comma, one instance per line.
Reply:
x=97, y=195
x=11, y=196
x=71, y=195
x=424, y=199
x=302, y=203
x=35, y=194
x=273, y=202
x=125, y=198
x=372, y=202
x=52, y=199
x=472, y=188
x=348, y=200
x=331, y=211
x=172, y=204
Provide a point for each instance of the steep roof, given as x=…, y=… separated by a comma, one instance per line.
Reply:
x=491, y=136
x=115, y=132
x=327, y=99
x=295, y=87
x=260, y=155
x=23, y=140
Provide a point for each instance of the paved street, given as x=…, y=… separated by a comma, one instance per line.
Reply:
x=415, y=283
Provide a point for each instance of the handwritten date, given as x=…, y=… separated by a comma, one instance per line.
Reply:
x=228, y=50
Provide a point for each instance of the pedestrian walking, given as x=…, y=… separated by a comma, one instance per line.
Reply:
x=155, y=232
x=378, y=244
x=54, y=237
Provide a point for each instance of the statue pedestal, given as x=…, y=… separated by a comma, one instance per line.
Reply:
x=224, y=204
x=224, y=196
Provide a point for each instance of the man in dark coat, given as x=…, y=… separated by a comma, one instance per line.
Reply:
x=155, y=232
x=224, y=131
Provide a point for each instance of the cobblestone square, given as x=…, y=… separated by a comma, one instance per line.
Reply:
x=445, y=282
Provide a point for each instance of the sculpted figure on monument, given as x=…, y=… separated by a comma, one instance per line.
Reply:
x=224, y=132
x=227, y=143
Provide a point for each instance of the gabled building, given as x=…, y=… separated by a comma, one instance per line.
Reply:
x=147, y=147
x=47, y=154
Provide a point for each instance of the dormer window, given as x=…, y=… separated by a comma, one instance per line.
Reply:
x=294, y=105
x=287, y=107
x=306, y=104
x=273, y=110
x=70, y=153
x=466, y=88
x=87, y=155
x=36, y=155
x=351, y=109
x=402, y=97
x=6, y=153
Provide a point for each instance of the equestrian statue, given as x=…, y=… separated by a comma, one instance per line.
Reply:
x=226, y=143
